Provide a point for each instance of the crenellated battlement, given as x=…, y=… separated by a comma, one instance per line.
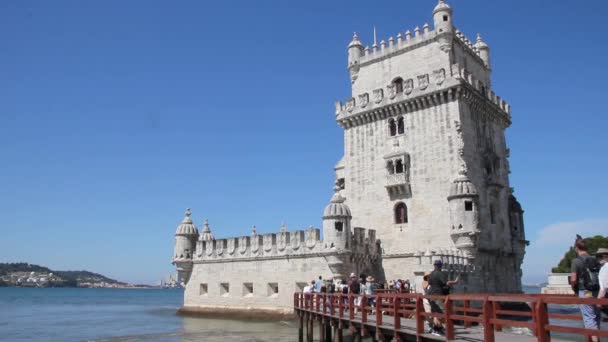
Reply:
x=468, y=45
x=401, y=44
x=285, y=243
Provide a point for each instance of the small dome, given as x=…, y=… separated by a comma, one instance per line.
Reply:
x=442, y=6
x=206, y=234
x=462, y=186
x=336, y=208
x=355, y=41
x=187, y=227
x=480, y=44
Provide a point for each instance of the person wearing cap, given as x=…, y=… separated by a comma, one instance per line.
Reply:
x=439, y=286
x=602, y=256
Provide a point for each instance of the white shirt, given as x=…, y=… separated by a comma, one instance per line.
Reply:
x=307, y=289
x=603, y=277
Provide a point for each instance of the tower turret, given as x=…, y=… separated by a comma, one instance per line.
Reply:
x=444, y=27
x=355, y=51
x=336, y=222
x=186, y=235
x=484, y=51
x=464, y=213
x=206, y=234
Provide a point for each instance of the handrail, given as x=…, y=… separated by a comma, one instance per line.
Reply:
x=458, y=311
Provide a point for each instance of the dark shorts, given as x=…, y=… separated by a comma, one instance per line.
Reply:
x=437, y=306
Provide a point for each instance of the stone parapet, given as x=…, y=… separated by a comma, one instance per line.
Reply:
x=292, y=243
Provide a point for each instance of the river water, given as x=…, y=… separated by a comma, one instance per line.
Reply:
x=125, y=315
x=122, y=315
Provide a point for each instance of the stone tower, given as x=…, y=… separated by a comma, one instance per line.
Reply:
x=425, y=158
x=186, y=235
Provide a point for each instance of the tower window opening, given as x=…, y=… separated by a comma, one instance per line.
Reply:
x=392, y=127
x=339, y=226
x=492, y=214
x=248, y=289
x=341, y=183
x=399, y=166
x=224, y=289
x=445, y=18
x=398, y=83
x=390, y=166
x=400, y=213
x=468, y=205
x=400, y=125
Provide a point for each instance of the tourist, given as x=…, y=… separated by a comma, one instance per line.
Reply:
x=398, y=285
x=370, y=288
x=602, y=255
x=440, y=286
x=425, y=302
x=584, y=269
x=309, y=288
x=319, y=284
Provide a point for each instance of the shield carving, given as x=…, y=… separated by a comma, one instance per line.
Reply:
x=255, y=243
x=364, y=100
x=423, y=81
x=378, y=95
x=392, y=91
x=310, y=238
x=243, y=244
x=268, y=240
x=439, y=76
x=295, y=240
x=350, y=104
x=231, y=246
x=408, y=86
x=282, y=241
x=219, y=247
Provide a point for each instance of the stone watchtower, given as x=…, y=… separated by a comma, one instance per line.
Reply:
x=425, y=157
x=186, y=235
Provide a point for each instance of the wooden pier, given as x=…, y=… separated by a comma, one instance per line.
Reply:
x=468, y=317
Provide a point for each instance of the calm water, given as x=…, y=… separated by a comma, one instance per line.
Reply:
x=128, y=315
x=125, y=315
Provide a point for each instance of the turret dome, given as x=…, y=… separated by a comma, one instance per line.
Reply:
x=355, y=41
x=462, y=186
x=337, y=208
x=187, y=227
x=442, y=6
x=206, y=234
x=480, y=44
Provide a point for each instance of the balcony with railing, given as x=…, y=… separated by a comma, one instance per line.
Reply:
x=398, y=183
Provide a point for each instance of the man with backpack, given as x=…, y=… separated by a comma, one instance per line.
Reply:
x=602, y=255
x=585, y=282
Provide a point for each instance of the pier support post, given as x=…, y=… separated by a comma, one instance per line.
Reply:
x=321, y=330
x=327, y=331
x=338, y=334
x=301, y=328
x=309, y=325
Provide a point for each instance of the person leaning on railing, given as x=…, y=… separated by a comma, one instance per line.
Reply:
x=602, y=255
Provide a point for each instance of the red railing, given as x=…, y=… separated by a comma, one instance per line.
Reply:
x=463, y=310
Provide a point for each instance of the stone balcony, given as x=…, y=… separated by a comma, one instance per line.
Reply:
x=398, y=184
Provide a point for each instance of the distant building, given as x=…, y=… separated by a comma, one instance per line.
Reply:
x=424, y=176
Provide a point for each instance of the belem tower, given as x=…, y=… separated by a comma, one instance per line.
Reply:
x=424, y=176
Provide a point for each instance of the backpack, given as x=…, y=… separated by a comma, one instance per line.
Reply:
x=355, y=287
x=590, y=274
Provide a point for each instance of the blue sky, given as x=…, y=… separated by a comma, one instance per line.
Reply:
x=117, y=115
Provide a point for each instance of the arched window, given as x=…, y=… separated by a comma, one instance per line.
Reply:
x=400, y=125
x=339, y=226
x=392, y=127
x=390, y=166
x=399, y=166
x=400, y=213
x=398, y=83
